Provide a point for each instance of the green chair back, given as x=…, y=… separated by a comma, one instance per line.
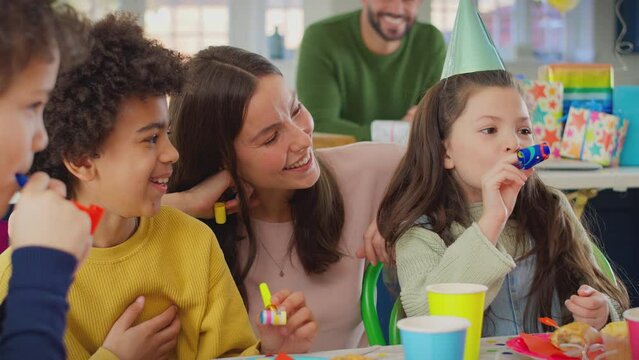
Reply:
x=603, y=264
x=370, y=316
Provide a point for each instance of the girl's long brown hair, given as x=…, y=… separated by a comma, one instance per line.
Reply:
x=206, y=118
x=422, y=186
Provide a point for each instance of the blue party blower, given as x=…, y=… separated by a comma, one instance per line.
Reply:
x=533, y=155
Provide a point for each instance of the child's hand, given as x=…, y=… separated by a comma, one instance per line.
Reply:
x=199, y=200
x=589, y=306
x=60, y=225
x=500, y=187
x=153, y=339
x=299, y=332
x=374, y=246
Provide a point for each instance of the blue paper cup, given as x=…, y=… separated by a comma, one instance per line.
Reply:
x=433, y=337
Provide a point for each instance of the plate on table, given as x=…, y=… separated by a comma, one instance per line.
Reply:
x=520, y=344
x=568, y=164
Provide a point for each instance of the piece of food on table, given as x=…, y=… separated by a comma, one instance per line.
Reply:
x=577, y=333
x=616, y=340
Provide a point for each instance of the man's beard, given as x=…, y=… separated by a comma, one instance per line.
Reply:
x=373, y=19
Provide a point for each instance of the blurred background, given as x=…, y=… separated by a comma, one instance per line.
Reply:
x=527, y=32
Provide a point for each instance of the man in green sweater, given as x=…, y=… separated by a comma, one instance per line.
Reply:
x=374, y=63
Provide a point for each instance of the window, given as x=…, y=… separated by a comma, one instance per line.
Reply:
x=191, y=25
x=547, y=24
x=529, y=28
x=498, y=16
x=183, y=25
x=442, y=15
x=95, y=9
x=287, y=16
x=187, y=26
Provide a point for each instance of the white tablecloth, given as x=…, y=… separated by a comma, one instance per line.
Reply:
x=491, y=349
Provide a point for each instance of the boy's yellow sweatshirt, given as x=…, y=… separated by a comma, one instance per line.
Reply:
x=172, y=258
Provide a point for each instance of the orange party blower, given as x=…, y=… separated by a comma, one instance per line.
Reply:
x=95, y=213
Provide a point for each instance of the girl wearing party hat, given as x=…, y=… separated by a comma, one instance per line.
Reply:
x=460, y=210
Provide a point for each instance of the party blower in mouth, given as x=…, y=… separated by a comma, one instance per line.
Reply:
x=533, y=155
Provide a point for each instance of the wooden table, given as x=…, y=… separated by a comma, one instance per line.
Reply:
x=324, y=140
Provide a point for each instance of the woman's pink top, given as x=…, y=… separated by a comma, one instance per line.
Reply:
x=363, y=172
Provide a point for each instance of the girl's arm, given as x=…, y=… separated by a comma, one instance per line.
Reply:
x=614, y=308
x=422, y=259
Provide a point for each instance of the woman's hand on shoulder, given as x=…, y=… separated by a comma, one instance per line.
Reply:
x=199, y=200
x=589, y=306
x=300, y=330
x=374, y=246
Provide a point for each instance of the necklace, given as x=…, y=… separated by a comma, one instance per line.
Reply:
x=283, y=262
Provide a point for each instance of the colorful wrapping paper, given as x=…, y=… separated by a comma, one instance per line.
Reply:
x=619, y=144
x=582, y=82
x=544, y=100
x=593, y=136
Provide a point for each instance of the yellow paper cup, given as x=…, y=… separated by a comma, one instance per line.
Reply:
x=462, y=300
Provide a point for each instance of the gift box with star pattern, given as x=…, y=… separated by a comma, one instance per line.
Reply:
x=544, y=101
x=593, y=136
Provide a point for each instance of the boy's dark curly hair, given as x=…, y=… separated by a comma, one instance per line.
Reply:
x=83, y=108
x=35, y=28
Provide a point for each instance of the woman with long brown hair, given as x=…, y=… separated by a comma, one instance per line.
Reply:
x=459, y=210
x=236, y=116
